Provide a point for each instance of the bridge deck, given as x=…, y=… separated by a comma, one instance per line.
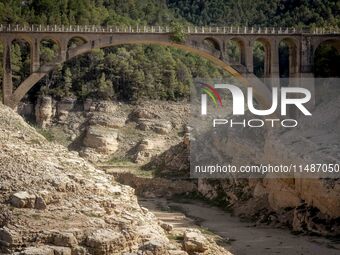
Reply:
x=159, y=29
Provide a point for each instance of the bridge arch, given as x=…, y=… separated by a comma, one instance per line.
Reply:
x=49, y=51
x=326, y=58
x=21, y=38
x=262, y=94
x=213, y=46
x=54, y=39
x=76, y=41
x=288, y=58
x=330, y=41
x=262, y=44
x=212, y=42
x=22, y=63
x=236, y=46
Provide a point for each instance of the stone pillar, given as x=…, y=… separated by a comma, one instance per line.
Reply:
x=35, y=56
x=306, y=55
x=248, y=50
x=7, y=83
x=267, y=60
x=306, y=68
x=63, y=51
x=274, y=64
x=224, y=55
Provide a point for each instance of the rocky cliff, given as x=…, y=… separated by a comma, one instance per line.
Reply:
x=54, y=202
x=302, y=204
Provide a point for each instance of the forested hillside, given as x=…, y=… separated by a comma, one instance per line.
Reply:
x=85, y=12
x=135, y=72
x=276, y=13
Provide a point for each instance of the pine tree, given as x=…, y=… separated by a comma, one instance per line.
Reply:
x=68, y=83
x=105, y=90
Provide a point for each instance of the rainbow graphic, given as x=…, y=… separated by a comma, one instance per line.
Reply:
x=212, y=93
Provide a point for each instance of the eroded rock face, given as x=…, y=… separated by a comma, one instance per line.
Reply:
x=153, y=248
x=158, y=126
x=102, y=139
x=44, y=111
x=148, y=148
x=107, y=120
x=106, y=106
x=174, y=161
x=156, y=187
x=313, y=141
x=275, y=201
x=64, y=107
x=103, y=241
x=82, y=210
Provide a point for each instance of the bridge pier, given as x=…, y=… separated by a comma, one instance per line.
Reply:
x=35, y=56
x=248, y=58
x=63, y=51
x=7, y=83
x=274, y=72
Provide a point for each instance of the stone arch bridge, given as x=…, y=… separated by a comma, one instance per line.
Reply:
x=208, y=42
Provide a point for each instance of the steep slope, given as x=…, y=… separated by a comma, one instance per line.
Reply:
x=54, y=202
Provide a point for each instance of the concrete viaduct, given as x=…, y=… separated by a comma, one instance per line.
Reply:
x=208, y=42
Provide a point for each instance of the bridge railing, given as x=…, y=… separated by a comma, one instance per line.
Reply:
x=165, y=29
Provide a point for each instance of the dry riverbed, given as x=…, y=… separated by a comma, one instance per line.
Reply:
x=238, y=237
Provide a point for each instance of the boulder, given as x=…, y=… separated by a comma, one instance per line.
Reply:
x=104, y=241
x=40, y=203
x=167, y=227
x=23, y=199
x=153, y=247
x=9, y=237
x=194, y=241
x=42, y=250
x=102, y=139
x=64, y=239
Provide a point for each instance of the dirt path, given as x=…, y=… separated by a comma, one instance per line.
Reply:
x=239, y=238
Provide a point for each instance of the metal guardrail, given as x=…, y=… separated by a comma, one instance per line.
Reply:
x=166, y=29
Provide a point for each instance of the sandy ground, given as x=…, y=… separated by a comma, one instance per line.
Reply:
x=240, y=238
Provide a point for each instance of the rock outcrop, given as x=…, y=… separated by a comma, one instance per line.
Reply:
x=174, y=162
x=194, y=241
x=54, y=202
x=102, y=139
x=44, y=111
